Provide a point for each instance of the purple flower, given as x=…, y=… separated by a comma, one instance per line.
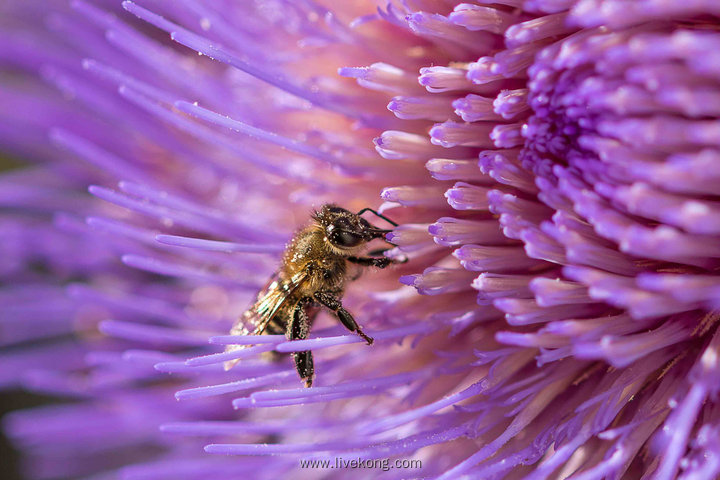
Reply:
x=553, y=165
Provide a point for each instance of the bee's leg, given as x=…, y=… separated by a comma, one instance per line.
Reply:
x=298, y=330
x=375, y=259
x=333, y=303
x=380, y=262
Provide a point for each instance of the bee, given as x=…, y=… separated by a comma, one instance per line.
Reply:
x=314, y=270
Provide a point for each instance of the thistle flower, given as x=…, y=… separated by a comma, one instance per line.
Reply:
x=552, y=165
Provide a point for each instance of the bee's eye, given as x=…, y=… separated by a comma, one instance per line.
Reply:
x=343, y=238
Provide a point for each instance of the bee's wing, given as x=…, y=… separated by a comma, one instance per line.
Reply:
x=270, y=300
x=252, y=321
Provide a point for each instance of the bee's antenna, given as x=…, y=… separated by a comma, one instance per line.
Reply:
x=378, y=214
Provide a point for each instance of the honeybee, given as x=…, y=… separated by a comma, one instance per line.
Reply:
x=313, y=274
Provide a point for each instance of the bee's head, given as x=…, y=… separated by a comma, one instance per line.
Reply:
x=346, y=230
